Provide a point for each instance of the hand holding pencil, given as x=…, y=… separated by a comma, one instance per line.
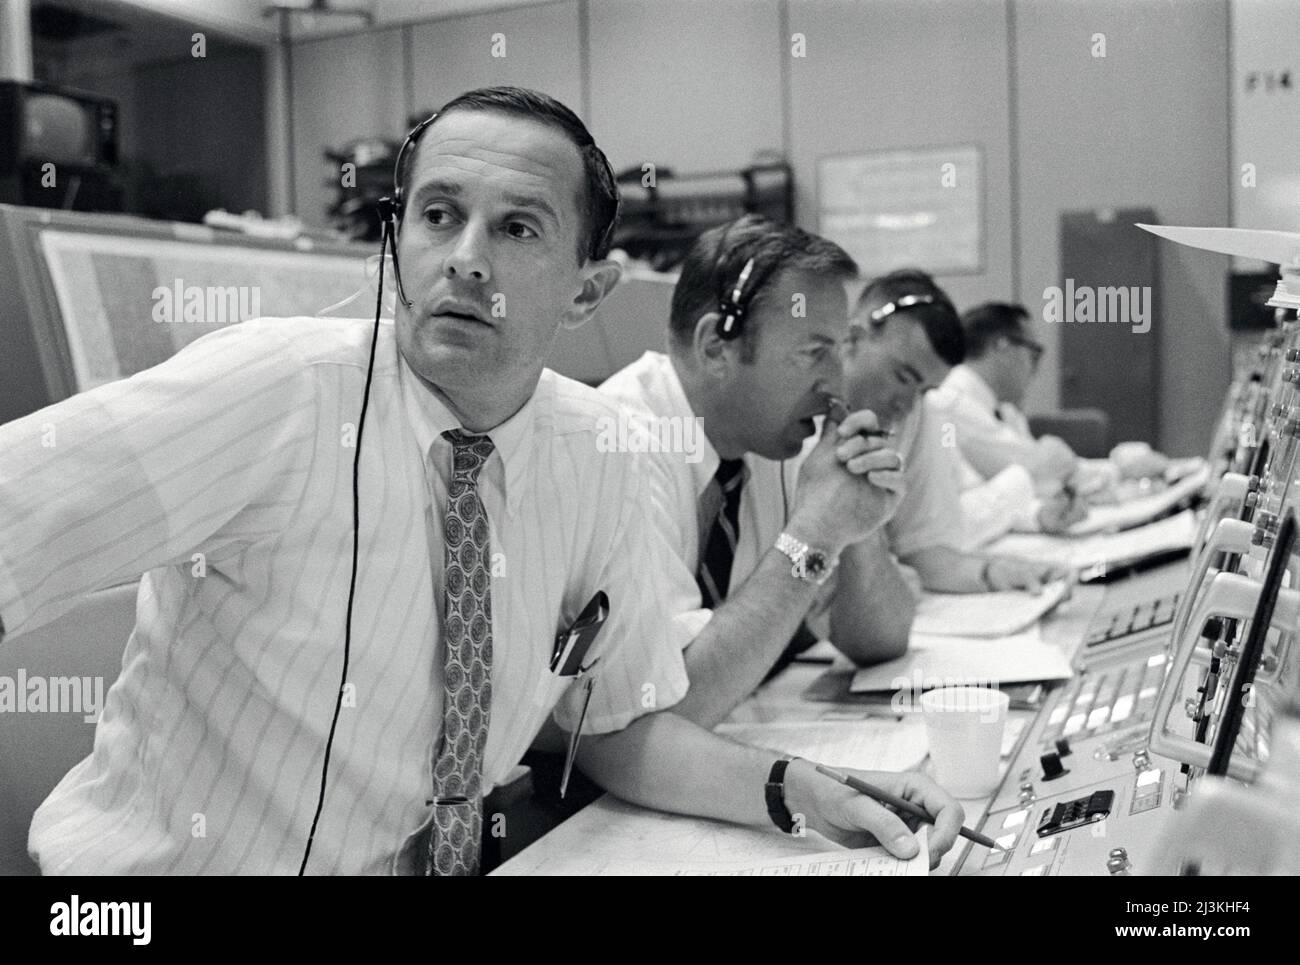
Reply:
x=852, y=818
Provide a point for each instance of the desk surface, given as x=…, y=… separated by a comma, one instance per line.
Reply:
x=612, y=835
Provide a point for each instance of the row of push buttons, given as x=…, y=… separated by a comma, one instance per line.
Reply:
x=1121, y=623
x=1119, y=697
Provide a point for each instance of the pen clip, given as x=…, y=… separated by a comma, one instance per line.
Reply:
x=571, y=645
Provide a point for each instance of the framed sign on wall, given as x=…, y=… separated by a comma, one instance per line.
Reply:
x=916, y=207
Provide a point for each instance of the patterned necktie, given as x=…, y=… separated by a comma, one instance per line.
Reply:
x=714, y=573
x=467, y=669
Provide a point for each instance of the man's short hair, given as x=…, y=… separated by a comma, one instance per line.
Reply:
x=938, y=316
x=984, y=324
x=716, y=259
x=599, y=205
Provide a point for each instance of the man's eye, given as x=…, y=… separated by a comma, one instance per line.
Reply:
x=517, y=229
x=437, y=216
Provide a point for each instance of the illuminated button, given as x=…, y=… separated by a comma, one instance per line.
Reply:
x=996, y=858
x=1006, y=842
x=1035, y=872
x=1149, y=777
x=1045, y=844
x=1156, y=659
x=1058, y=714
x=1085, y=697
x=1147, y=693
x=1098, y=717
x=1123, y=707
x=1075, y=724
x=1015, y=819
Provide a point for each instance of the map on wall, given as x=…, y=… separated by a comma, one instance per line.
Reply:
x=130, y=303
x=920, y=207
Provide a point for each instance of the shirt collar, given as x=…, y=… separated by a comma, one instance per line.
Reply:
x=674, y=395
x=512, y=440
x=966, y=381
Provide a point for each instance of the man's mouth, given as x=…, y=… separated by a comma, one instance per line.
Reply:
x=460, y=312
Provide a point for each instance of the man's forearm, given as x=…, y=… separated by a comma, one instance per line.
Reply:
x=743, y=640
x=945, y=570
x=872, y=610
x=704, y=775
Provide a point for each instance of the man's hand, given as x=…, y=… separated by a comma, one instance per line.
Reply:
x=1014, y=573
x=1058, y=513
x=1137, y=460
x=845, y=488
x=856, y=820
x=1058, y=460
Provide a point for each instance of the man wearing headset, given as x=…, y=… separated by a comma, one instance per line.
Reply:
x=905, y=336
x=758, y=317
x=266, y=704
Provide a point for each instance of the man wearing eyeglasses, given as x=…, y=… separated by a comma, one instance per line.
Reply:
x=1010, y=480
x=1040, y=477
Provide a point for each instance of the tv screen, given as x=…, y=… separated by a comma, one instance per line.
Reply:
x=59, y=129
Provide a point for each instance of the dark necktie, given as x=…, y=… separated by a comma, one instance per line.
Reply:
x=467, y=667
x=714, y=573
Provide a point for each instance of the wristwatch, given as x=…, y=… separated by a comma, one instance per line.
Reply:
x=774, y=792
x=807, y=564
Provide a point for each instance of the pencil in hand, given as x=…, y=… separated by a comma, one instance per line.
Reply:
x=901, y=804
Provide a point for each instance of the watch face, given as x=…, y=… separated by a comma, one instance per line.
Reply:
x=814, y=564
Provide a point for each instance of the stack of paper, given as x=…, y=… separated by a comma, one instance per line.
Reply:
x=984, y=614
x=1103, y=551
x=945, y=661
x=868, y=745
x=856, y=863
x=1135, y=512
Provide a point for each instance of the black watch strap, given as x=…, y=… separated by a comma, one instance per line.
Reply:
x=774, y=791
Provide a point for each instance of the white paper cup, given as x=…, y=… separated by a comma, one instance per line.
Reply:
x=964, y=727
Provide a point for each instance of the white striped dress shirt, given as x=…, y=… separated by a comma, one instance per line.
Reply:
x=225, y=476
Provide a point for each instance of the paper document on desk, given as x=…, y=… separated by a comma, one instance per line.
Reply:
x=984, y=614
x=1103, y=550
x=868, y=745
x=937, y=661
x=1137, y=511
x=856, y=863
x=612, y=837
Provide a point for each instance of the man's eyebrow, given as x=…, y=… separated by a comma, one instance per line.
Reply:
x=438, y=186
x=912, y=373
x=531, y=202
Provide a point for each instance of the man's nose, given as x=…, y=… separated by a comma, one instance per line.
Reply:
x=468, y=260
x=830, y=380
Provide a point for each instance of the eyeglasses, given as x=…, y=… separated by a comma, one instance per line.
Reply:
x=1035, y=350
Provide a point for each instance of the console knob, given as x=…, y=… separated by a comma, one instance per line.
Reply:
x=1052, y=767
x=1063, y=746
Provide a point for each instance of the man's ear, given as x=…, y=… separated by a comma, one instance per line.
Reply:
x=598, y=280
x=713, y=352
